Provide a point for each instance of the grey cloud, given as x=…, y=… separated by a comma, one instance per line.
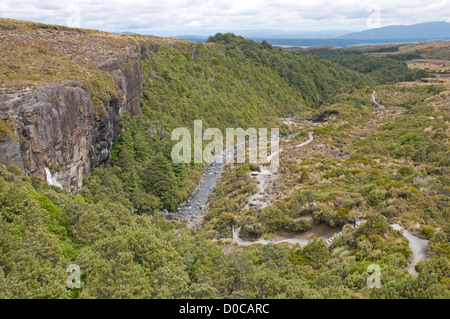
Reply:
x=184, y=15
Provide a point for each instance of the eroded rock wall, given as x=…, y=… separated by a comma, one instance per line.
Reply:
x=58, y=125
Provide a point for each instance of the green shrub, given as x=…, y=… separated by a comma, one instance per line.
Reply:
x=333, y=218
x=305, y=176
x=224, y=222
x=215, y=61
x=427, y=230
x=377, y=223
x=300, y=225
x=273, y=218
x=406, y=170
x=315, y=254
x=376, y=196
x=13, y=168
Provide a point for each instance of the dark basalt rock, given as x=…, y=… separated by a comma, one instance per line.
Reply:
x=57, y=125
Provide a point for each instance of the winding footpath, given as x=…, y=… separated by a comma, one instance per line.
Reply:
x=300, y=242
x=418, y=247
x=240, y=242
x=311, y=138
x=380, y=107
x=266, y=178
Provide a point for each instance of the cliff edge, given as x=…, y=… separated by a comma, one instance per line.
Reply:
x=62, y=94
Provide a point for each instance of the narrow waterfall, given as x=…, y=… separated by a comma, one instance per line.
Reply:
x=52, y=180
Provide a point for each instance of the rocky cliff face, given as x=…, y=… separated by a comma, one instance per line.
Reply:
x=58, y=126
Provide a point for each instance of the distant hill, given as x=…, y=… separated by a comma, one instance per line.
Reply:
x=280, y=37
x=420, y=32
x=416, y=32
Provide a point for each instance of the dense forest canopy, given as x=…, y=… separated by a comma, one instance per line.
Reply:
x=381, y=70
x=317, y=79
x=235, y=88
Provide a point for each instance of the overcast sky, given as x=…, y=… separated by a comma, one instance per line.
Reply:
x=176, y=17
